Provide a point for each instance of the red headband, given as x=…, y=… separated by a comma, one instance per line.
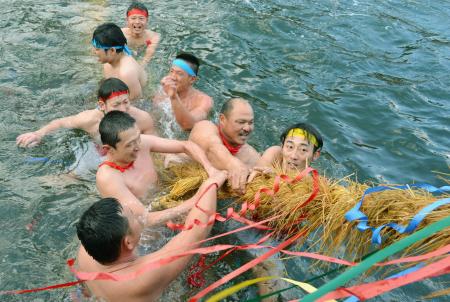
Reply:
x=137, y=11
x=114, y=94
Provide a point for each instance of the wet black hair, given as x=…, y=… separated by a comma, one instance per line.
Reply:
x=112, y=124
x=137, y=5
x=191, y=59
x=108, y=86
x=109, y=34
x=101, y=230
x=309, y=129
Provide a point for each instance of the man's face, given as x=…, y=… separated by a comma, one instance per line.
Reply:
x=181, y=78
x=135, y=225
x=103, y=55
x=120, y=103
x=128, y=147
x=297, y=153
x=137, y=24
x=238, y=125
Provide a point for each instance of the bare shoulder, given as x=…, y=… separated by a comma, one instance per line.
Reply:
x=126, y=31
x=204, y=128
x=203, y=98
x=152, y=35
x=272, y=151
x=138, y=114
x=248, y=155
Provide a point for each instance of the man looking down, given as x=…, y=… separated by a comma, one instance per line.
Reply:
x=109, y=233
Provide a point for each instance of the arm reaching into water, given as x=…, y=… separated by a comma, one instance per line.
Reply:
x=81, y=120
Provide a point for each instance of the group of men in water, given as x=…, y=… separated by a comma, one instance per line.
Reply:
x=110, y=229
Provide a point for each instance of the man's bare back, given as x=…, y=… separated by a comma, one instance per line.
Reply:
x=129, y=71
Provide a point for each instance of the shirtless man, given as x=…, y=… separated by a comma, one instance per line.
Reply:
x=110, y=46
x=300, y=145
x=128, y=172
x=109, y=234
x=189, y=105
x=137, y=33
x=113, y=94
x=226, y=144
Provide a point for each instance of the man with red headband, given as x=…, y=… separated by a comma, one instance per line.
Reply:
x=226, y=145
x=189, y=105
x=110, y=46
x=113, y=94
x=137, y=33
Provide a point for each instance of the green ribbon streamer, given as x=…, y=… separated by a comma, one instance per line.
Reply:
x=261, y=298
x=377, y=257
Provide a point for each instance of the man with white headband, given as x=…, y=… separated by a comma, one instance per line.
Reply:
x=110, y=46
x=189, y=105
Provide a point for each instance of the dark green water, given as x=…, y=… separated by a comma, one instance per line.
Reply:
x=373, y=77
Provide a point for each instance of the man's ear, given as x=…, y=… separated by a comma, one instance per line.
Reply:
x=102, y=105
x=222, y=118
x=192, y=80
x=105, y=149
x=112, y=50
x=128, y=243
x=316, y=154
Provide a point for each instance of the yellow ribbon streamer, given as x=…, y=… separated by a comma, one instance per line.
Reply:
x=231, y=290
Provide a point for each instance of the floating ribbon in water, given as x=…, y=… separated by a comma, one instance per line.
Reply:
x=377, y=257
x=231, y=290
x=356, y=214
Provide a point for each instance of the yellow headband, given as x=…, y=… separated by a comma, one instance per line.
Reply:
x=304, y=135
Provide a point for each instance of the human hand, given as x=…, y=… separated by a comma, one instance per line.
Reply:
x=259, y=170
x=218, y=177
x=29, y=139
x=238, y=177
x=211, y=171
x=169, y=86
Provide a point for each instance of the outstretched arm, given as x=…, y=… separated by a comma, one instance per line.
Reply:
x=112, y=185
x=205, y=134
x=163, y=145
x=186, y=240
x=30, y=139
x=265, y=163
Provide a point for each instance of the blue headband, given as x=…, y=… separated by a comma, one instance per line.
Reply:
x=185, y=66
x=99, y=46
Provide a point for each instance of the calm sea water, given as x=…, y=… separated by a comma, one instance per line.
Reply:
x=371, y=75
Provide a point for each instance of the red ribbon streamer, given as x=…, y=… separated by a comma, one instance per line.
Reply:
x=245, y=268
x=370, y=290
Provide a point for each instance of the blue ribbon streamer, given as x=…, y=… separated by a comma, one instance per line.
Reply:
x=402, y=273
x=356, y=214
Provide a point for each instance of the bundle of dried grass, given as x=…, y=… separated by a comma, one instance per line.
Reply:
x=324, y=216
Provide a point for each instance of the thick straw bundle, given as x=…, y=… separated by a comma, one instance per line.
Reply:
x=324, y=216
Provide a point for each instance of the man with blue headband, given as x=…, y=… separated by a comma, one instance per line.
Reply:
x=189, y=105
x=110, y=46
